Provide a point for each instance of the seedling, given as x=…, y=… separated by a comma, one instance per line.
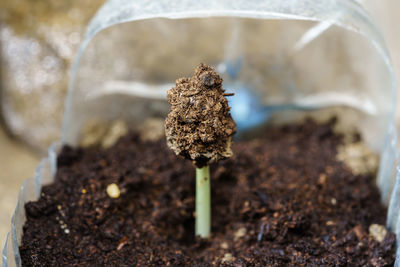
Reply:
x=200, y=127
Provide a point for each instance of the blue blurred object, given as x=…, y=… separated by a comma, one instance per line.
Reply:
x=246, y=107
x=232, y=67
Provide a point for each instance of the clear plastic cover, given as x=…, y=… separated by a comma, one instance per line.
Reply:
x=275, y=55
x=30, y=191
x=310, y=54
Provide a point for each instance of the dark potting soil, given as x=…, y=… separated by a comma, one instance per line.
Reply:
x=281, y=200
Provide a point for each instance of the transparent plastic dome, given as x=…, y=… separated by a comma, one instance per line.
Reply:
x=282, y=59
x=327, y=53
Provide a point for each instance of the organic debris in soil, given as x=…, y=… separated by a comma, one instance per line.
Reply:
x=199, y=125
x=280, y=200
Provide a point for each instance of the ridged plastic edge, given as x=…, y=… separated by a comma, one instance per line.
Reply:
x=30, y=191
x=393, y=215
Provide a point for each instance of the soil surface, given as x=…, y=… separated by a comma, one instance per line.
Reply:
x=283, y=200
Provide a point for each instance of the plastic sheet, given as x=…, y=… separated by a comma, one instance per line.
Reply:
x=30, y=191
x=276, y=55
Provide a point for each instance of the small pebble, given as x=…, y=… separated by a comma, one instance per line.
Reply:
x=358, y=157
x=224, y=245
x=333, y=201
x=378, y=232
x=117, y=129
x=113, y=191
x=240, y=233
x=66, y=231
x=227, y=258
x=322, y=178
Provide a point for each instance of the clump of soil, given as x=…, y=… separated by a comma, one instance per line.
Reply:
x=280, y=200
x=199, y=125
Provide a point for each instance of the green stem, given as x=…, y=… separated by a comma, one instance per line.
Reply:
x=203, y=202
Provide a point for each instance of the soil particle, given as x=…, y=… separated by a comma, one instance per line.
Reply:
x=272, y=206
x=113, y=191
x=199, y=125
x=378, y=232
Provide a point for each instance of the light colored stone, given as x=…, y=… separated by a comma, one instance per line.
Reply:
x=113, y=191
x=224, y=245
x=93, y=133
x=330, y=223
x=117, y=130
x=378, y=232
x=152, y=129
x=227, y=258
x=239, y=233
x=358, y=157
x=106, y=134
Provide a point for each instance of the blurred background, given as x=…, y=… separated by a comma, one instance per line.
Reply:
x=38, y=41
